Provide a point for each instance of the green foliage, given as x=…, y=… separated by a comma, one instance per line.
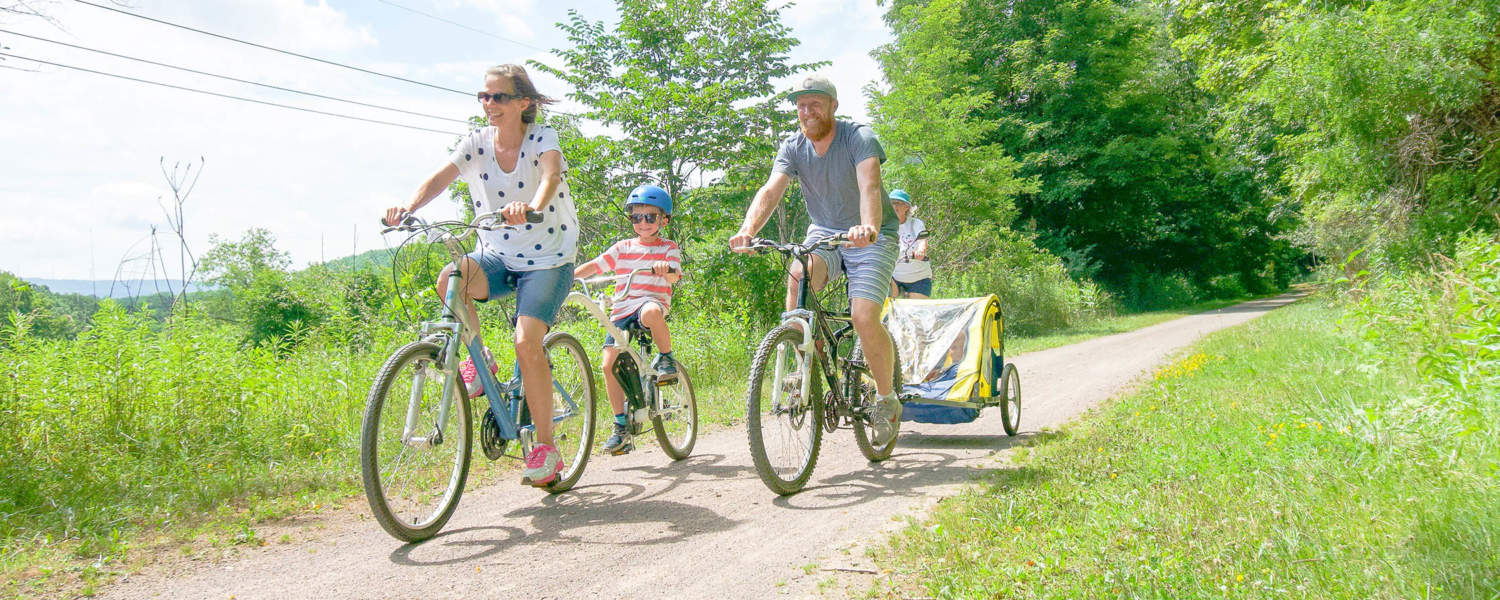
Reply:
x=1383, y=114
x=40, y=312
x=1121, y=176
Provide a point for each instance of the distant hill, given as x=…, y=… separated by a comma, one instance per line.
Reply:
x=105, y=288
x=101, y=288
x=372, y=259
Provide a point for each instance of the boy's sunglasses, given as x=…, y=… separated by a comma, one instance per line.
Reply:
x=647, y=217
x=498, y=97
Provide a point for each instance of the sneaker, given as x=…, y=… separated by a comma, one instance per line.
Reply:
x=543, y=464
x=619, y=442
x=666, y=368
x=470, y=374
x=885, y=419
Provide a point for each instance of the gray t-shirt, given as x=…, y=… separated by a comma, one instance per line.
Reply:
x=829, y=184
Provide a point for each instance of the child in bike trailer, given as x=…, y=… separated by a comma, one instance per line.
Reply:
x=646, y=301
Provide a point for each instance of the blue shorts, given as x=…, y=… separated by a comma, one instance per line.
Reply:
x=539, y=293
x=920, y=286
x=627, y=323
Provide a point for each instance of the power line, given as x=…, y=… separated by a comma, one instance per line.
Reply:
x=226, y=77
x=229, y=96
x=265, y=47
x=461, y=25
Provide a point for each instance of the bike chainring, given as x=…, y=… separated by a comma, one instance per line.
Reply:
x=831, y=406
x=489, y=437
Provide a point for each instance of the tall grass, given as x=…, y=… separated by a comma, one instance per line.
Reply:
x=1340, y=448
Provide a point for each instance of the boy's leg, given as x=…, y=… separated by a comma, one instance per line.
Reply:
x=655, y=319
x=611, y=385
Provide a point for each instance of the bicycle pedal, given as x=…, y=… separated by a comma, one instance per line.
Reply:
x=623, y=450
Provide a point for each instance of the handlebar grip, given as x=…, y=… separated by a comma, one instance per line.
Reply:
x=533, y=216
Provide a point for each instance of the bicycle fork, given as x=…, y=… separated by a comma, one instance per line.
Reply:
x=804, y=364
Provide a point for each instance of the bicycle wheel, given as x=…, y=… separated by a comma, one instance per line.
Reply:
x=862, y=433
x=573, y=405
x=1010, y=399
x=676, y=424
x=413, y=480
x=785, y=429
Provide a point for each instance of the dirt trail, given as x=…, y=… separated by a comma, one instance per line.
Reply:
x=639, y=526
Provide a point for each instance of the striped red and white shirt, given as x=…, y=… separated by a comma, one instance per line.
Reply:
x=627, y=256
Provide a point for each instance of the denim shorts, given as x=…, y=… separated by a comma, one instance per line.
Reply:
x=539, y=293
x=920, y=286
x=632, y=321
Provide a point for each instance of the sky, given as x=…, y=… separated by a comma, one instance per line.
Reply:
x=82, y=155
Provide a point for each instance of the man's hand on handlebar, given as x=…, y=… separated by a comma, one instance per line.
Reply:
x=740, y=242
x=862, y=235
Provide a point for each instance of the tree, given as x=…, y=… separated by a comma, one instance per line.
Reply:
x=688, y=85
x=938, y=147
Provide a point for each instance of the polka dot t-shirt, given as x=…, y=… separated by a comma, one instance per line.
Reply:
x=530, y=246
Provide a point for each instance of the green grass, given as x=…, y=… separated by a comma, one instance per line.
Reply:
x=1282, y=458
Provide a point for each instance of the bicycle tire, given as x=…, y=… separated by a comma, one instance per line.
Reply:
x=573, y=436
x=862, y=432
x=1010, y=399
x=400, y=510
x=676, y=424
x=806, y=416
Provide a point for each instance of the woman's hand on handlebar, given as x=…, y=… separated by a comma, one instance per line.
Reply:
x=515, y=212
x=394, y=216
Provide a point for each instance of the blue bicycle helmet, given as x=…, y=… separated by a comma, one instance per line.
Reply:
x=650, y=195
x=899, y=195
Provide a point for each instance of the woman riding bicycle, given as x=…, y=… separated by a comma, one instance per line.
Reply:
x=515, y=166
x=912, y=277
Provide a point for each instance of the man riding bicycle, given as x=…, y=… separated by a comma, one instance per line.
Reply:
x=837, y=163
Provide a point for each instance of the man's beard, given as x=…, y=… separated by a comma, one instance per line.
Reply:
x=815, y=128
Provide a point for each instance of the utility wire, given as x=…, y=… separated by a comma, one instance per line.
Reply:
x=265, y=47
x=461, y=25
x=231, y=97
x=226, y=77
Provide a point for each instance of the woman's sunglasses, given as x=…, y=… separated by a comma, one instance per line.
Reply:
x=498, y=97
x=647, y=217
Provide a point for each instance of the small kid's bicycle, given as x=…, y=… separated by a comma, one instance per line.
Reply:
x=786, y=409
x=668, y=405
x=417, y=431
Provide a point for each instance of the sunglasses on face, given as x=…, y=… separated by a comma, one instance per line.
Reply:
x=647, y=217
x=497, y=97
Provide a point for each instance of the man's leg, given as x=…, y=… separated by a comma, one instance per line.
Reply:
x=819, y=278
x=875, y=340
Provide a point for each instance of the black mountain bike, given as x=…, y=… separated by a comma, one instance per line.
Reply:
x=787, y=408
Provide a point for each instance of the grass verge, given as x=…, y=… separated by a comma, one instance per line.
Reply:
x=1275, y=459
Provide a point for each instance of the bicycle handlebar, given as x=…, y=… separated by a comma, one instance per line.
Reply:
x=834, y=241
x=485, y=221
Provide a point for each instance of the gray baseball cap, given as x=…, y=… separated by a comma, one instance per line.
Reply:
x=813, y=84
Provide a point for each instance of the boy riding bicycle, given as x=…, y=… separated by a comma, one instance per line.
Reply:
x=646, y=300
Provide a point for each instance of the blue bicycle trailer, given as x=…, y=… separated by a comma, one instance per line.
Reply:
x=953, y=360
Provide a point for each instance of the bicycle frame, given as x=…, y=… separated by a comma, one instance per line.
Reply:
x=599, y=308
x=812, y=320
x=455, y=329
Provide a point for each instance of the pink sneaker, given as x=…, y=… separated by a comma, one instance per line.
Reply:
x=542, y=466
x=470, y=374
